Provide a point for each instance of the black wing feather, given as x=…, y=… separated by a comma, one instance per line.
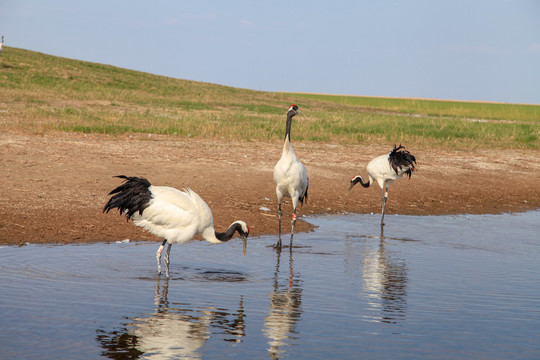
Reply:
x=132, y=196
x=401, y=158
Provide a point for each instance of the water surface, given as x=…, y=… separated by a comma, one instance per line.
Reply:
x=432, y=287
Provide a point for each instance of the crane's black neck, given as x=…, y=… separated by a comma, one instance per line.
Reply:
x=229, y=233
x=290, y=115
x=358, y=179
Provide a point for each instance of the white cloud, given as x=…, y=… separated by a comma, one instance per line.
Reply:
x=486, y=49
x=246, y=23
x=534, y=48
x=472, y=49
x=171, y=21
x=193, y=16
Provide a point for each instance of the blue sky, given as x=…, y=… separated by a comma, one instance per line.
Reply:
x=464, y=50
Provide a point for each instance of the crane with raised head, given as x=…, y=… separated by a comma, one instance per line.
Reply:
x=290, y=176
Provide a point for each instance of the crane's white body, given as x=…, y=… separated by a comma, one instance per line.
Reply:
x=385, y=169
x=290, y=176
x=177, y=216
x=379, y=170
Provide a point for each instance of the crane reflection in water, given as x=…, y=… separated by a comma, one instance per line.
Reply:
x=384, y=277
x=285, y=309
x=172, y=331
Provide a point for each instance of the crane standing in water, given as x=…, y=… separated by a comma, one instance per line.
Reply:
x=177, y=216
x=385, y=169
x=290, y=176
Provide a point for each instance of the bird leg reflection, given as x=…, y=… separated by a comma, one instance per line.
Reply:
x=285, y=309
x=161, y=298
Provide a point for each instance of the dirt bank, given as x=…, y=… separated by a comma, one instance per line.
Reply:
x=53, y=187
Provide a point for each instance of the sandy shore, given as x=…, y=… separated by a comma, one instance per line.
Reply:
x=53, y=187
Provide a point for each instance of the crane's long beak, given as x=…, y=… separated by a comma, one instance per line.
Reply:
x=244, y=243
x=302, y=114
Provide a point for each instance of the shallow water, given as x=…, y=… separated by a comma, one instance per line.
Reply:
x=433, y=287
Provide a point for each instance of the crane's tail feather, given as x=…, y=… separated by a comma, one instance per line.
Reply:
x=304, y=197
x=401, y=160
x=132, y=196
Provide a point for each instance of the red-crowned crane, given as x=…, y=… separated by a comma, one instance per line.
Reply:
x=385, y=169
x=177, y=216
x=290, y=175
x=2, y=43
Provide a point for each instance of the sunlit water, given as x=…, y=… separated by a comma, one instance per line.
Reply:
x=435, y=287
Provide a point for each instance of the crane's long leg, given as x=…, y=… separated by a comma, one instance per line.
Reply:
x=293, y=222
x=167, y=259
x=158, y=255
x=278, y=245
x=384, y=190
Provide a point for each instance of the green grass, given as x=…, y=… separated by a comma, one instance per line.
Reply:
x=439, y=108
x=41, y=93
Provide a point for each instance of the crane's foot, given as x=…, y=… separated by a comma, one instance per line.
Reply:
x=277, y=245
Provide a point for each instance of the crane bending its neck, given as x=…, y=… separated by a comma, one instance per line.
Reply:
x=229, y=233
x=237, y=226
x=358, y=179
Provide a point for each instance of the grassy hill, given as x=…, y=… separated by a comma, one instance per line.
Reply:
x=41, y=94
